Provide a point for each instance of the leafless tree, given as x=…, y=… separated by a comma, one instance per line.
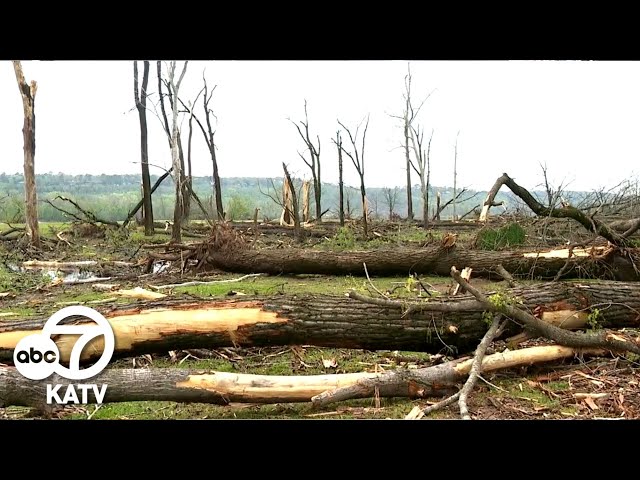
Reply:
x=455, y=176
x=140, y=96
x=408, y=116
x=209, y=137
x=314, y=162
x=28, y=93
x=338, y=142
x=358, y=162
x=423, y=169
x=178, y=210
x=390, y=199
x=179, y=177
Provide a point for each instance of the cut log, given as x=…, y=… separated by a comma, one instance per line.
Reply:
x=222, y=388
x=604, y=263
x=331, y=321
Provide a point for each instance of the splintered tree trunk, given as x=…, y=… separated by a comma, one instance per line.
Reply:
x=333, y=321
x=28, y=93
x=306, y=197
x=430, y=260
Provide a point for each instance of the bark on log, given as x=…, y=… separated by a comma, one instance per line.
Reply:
x=434, y=260
x=222, y=388
x=455, y=323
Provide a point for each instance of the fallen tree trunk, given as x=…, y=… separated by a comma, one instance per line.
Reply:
x=454, y=324
x=434, y=260
x=222, y=388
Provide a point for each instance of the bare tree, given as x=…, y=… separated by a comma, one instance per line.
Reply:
x=179, y=177
x=390, y=199
x=338, y=142
x=408, y=116
x=358, y=162
x=178, y=210
x=314, y=163
x=140, y=96
x=455, y=176
x=209, y=135
x=28, y=93
x=423, y=169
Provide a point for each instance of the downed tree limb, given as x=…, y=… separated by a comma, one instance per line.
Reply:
x=422, y=380
x=597, y=262
x=590, y=223
x=503, y=305
x=222, y=388
x=335, y=321
x=212, y=282
x=476, y=366
x=89, y=217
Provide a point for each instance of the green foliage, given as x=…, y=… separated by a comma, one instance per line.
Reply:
x=487, y=317
x=344, y=239
x=239, y=208
x=504, y=237
x=593, y=319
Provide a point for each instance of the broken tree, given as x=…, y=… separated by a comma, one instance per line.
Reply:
x=28, y=93
x=566, y=211
x=596, y=262
x=335, y=321
x=223, y=388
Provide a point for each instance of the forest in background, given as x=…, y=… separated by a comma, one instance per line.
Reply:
x=113, y=196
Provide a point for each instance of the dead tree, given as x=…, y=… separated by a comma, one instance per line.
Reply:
x=390, y=198
x=314, y=163
x=289, y=201
x=408, y=116
x=178, y=211
x=338, y=142
x=209, y=135
x=140, y=96
x=28, y=93
x=179, y=177
x=217, y=186
x=295, y=201
x=358, y=162
x=306, y=196
x=286, y=218
x=455, y=176
x=423, y=169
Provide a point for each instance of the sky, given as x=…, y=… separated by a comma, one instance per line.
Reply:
x=580, y=118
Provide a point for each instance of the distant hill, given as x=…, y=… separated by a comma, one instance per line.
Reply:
x=112, y=196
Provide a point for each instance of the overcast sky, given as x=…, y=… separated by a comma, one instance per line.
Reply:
x=580, y=118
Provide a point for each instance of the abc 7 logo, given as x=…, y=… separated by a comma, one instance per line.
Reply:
x=37, y=356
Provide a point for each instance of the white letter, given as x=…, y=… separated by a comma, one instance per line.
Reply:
x=52, y=393
x=99, y=394
x=71, y=395
x=84, y=389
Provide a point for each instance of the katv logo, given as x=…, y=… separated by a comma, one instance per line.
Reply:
x=37, y=357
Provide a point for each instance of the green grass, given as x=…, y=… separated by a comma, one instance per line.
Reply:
x=268, y=285
x=19, y=313
x=510, y=235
